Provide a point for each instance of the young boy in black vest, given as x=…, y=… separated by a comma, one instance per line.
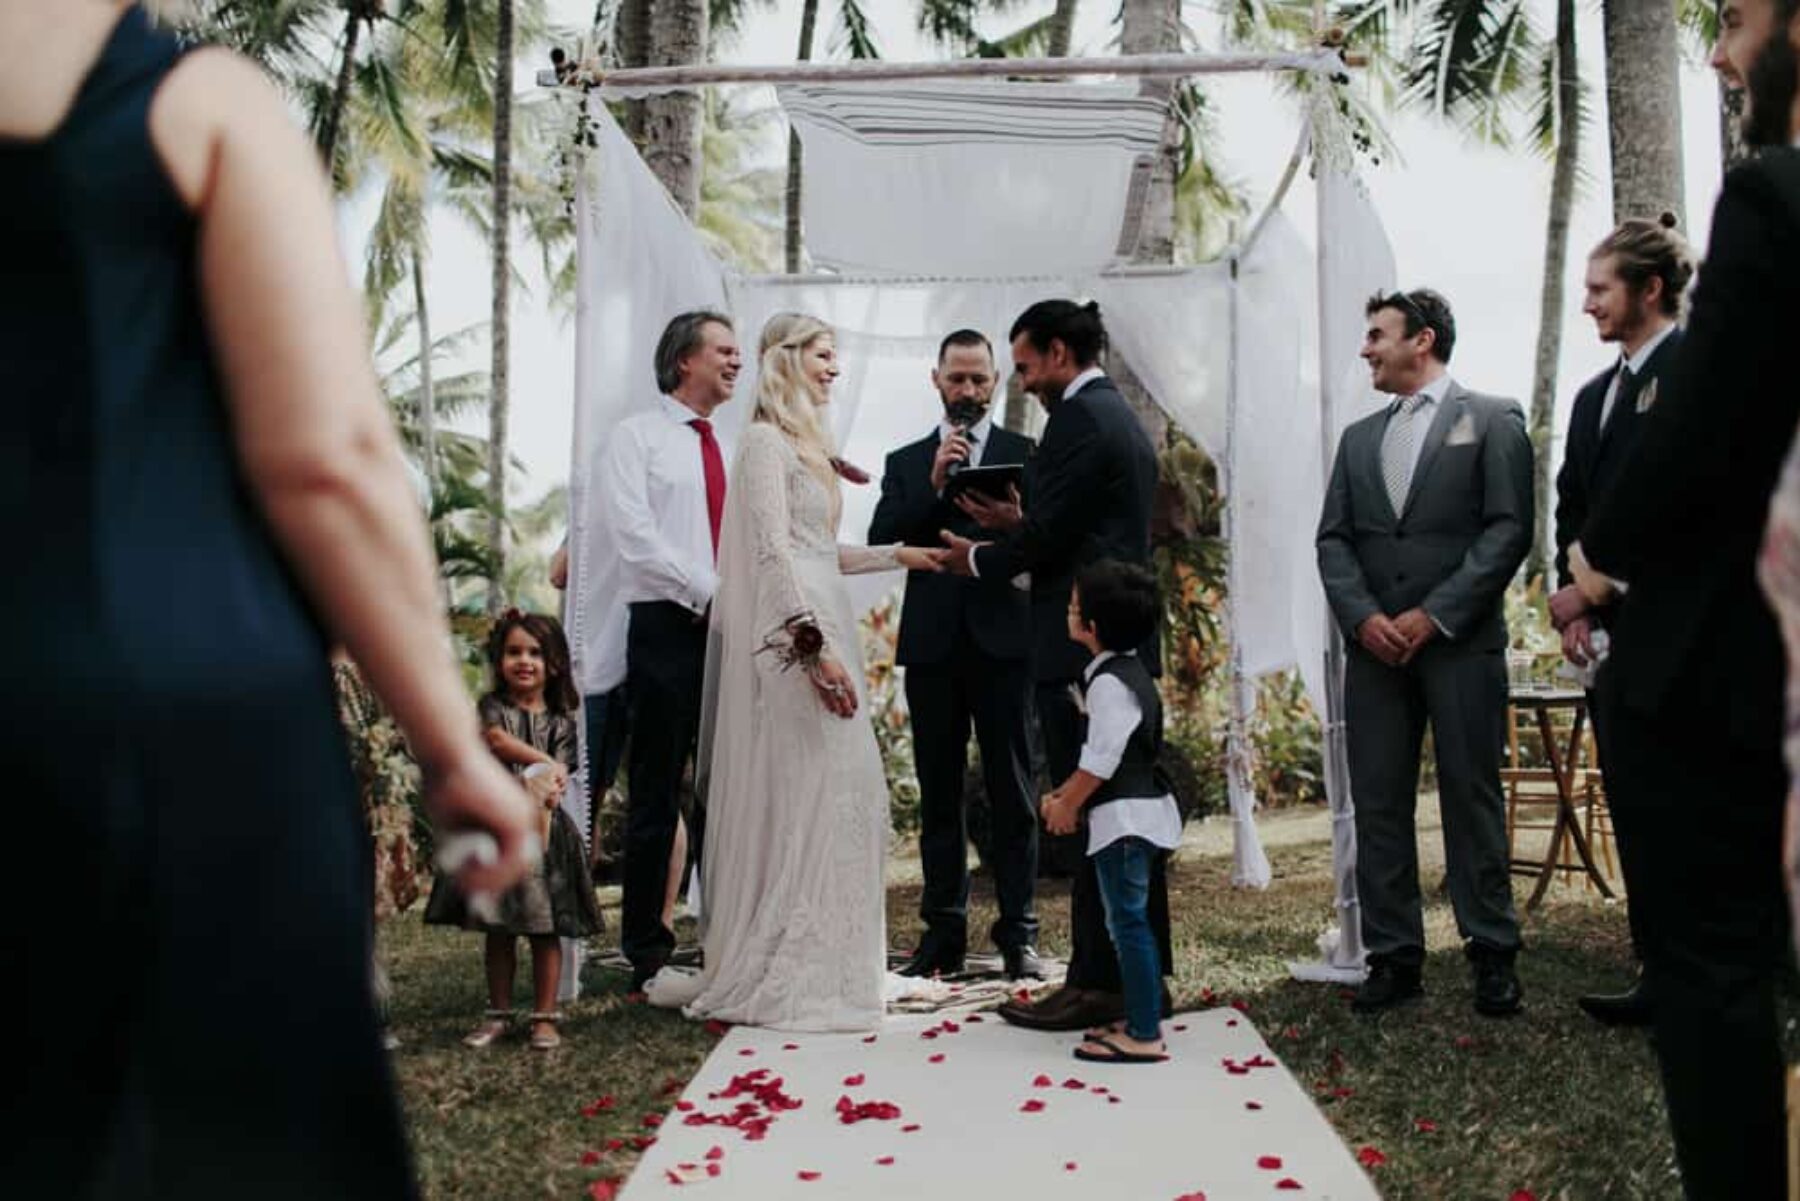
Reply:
x=1130, y=820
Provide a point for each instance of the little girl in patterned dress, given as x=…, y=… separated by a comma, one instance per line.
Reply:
x=528, y=720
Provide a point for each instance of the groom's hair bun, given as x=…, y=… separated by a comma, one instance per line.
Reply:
x=1642, y=249
x=1076, y=326
x=1120, y=601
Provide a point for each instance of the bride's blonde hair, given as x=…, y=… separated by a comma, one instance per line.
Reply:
x=786, y=398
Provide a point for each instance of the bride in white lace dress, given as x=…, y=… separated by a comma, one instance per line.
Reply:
x=794, y=930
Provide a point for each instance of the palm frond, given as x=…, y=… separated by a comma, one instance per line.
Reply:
x=1470, y=62
x=854, y=32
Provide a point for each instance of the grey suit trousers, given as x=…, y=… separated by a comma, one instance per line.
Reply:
x=1462, y=693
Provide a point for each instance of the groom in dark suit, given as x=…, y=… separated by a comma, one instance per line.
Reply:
x=1635, y=280
x=1092, y=483
x=1427, y=516
x=965, y=645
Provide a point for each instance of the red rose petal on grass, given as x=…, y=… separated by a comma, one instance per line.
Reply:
x=615, y=1144
x=1253, y=1105
x=715, y=1153
x=908, y=1129
x=1425, y=1125
x=589, y=1158
x=604, y=1190
x=853, y=1081
x=1342, y=1092
x=885, y=1160
x=594, y=1107
x=1291, y=1033
x=1032, y=1106
x=1370, y=1157
x=1522, y=1194
x=938, y=1058
x=652, y=1121
x=1463, y=1042
x=1208, y=996
x=1289, y=1183
x=1242, y=1006
x=805, y=1175
x=1042, y=1082
x=672, y=1085
x=1269, y=1163
x=716, y=1027
x=637, y=998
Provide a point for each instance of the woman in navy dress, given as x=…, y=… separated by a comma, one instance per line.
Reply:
x=199, y=488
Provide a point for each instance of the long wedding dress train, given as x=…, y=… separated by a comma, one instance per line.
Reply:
x=794, y=929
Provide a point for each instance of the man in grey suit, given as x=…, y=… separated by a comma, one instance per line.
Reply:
x=1427, y=516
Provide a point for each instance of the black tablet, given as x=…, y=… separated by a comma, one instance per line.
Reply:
x=991, y=482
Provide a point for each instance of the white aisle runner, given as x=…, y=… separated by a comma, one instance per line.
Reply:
x=988, y=1111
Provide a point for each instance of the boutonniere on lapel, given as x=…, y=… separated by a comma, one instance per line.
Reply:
x=1647, y=396
x=1079, y=697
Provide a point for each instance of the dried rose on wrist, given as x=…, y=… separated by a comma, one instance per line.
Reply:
x=804, y=646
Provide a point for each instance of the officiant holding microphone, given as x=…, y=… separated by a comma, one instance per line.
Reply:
x=965, y=645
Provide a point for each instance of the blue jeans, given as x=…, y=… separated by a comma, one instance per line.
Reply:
x=1123, y=867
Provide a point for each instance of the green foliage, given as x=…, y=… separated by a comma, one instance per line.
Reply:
x=887, y=710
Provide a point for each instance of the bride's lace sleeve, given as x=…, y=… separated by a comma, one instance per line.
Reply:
x=861, y=560
x=761, y=488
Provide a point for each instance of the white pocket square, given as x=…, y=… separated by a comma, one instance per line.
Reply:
x=1462, y=433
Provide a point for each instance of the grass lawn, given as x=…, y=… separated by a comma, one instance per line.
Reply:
x=1461, y=1106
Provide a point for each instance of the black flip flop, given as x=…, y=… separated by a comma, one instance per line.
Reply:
x=1118, y=1054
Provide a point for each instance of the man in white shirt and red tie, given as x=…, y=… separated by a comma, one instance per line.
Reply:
x=662, y=487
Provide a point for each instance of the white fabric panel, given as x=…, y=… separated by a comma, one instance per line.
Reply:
x=988, y=177
x=643, y=264
x=1175, y=331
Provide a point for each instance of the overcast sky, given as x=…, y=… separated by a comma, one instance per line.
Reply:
x=1466, y=220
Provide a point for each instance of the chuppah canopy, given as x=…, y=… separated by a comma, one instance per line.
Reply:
x=1241, y=327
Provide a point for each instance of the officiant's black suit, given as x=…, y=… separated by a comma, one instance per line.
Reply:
x=1092, y=484
x=965, y=645
x=1592, y=458
x=1694, y=687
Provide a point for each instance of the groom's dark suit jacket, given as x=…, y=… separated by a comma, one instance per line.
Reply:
x=1092, y=484
x=1592, y=456
x=938, y=607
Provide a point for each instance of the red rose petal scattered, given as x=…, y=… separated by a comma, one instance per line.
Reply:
x=1070, y=1166
x=643, y=1142
x=1032, y=1106
x=1522, y=1195
x=1231, y=1021
x=1241, y=1006
x=885, y=1160
x=805, y=1175
x=1180, y=1027
x=688, y=1167
x=1101, y=1089
x=869, y=1039
x=589, y=1158
x=636, y=998
x=1191, y=1197
x=615, y=1144
x=684, y=1106
x=1370, y=1157
x=715, y=1153
x=674, y=1177
x=672, y=1086
x=1463, y=1042
x=1425, y=1125
x=1042, y=1081
x=1253, y=1105
x=712, y=1169
x=604, y=1190
x=1289, y=1183
x=931, y=1033
x=790, y=1046
x=1208, y=996
x=1291, y=1033
x=747, y=1051
x=938, y=1058
x=716, y=1027
x=652, y=1121
x=908, y=1129
x=1071, y=1082
x=973, y=1018
x=1112, y=1099
x=853, y=1081
x=850, y=1112
x=1342, y=1091
x=594, y=1107
x=1269, y=1163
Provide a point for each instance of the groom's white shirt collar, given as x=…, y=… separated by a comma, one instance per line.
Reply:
x=1081, y=381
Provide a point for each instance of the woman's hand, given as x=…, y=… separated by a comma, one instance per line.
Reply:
x=474, y=794
x=922, y=558
x=837, y=691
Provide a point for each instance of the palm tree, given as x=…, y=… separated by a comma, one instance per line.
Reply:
x=1643, y=107
x=499, y=339
x=809, y=17
x=678, y=35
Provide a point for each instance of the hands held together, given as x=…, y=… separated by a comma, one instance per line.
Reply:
x=1395, y=640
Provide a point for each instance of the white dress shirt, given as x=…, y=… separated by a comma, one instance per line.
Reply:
x=1636, y=362
x=653, y=492
x=1112, y=714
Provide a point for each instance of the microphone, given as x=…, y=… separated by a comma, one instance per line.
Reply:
x=964, y=415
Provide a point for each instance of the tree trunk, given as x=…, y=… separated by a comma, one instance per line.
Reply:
x=1152, y=27
x=632, y=33
x=427, y=395
x=809, y=17
x=340, y=92
x=1643, y=102
x=1550, y=308
x=1732, y=147
x=502, y=223
x=672, y=120
x=1062, y=28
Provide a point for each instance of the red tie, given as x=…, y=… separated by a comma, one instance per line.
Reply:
x=714, y=463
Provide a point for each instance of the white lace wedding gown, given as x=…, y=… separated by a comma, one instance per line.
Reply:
x=794, y=926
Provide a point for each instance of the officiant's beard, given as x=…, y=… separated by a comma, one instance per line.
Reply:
x=1770, y=86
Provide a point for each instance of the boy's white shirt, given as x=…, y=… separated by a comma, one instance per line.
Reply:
x=1112, y=714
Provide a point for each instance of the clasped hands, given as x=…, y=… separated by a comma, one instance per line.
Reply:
x=1395, y=640
x=1571, y=605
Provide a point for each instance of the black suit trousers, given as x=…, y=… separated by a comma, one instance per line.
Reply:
x=1701, y=817
x=1093, y=960
x=945, y=699
x=665, y=656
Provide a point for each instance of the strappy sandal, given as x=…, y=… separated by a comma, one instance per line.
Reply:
x=494, y=1024
x=542, y=1039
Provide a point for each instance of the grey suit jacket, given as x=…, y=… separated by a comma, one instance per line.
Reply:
x=1462, y=533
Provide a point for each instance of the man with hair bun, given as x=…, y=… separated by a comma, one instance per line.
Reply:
x=1636, y=278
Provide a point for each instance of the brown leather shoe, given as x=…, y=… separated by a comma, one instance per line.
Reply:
x=1067, y=1009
